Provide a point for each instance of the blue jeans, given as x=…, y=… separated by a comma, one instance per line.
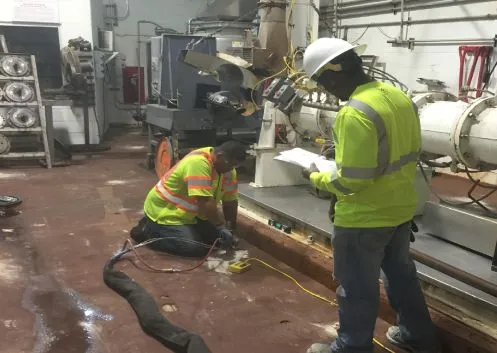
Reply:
x=359, y=254
x=203, y=232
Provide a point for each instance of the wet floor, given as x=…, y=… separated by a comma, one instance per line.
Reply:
x=74, y=218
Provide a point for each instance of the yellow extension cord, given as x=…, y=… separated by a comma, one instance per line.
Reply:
x=307, y=291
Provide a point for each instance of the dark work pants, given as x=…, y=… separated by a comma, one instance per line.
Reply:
x=203, y=232
x=359, y=254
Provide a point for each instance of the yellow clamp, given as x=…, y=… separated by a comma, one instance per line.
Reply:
x=239, y=267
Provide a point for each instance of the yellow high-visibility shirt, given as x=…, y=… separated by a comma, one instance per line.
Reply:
x=172, y=200
x=377, y=144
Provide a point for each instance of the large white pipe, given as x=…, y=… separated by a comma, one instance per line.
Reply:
x=465, y=132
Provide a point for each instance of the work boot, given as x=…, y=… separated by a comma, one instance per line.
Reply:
x=138, y=233
x=394, y=336
x=320, y=348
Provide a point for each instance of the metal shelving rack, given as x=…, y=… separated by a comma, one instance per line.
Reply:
x=36, y=105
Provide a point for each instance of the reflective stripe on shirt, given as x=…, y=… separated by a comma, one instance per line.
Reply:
x=229, y=185
x=383, y=166
x=176, y=200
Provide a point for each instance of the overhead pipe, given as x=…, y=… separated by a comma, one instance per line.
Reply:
x=356, y=2
x=388, y=8
x=421, y=22
x=428, y=42
x=396, y=4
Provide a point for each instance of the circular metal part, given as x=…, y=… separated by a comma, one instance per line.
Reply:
x=8, y=201
x=18, y=92
x=22, y=118
x=164, y=157
x=3, y=121
x=4, y=144
x=430, y=97
x=460, y=136
x=1, y=94
x=15, y=66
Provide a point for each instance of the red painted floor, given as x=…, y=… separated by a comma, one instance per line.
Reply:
x=74, y=218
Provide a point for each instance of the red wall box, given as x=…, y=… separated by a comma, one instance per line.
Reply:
x=130, y=84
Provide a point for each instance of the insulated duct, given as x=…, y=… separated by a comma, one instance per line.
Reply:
x=273, y=32
x=466, y=132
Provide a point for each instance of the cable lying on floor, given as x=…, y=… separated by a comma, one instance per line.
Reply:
x=307, y=291
x=152, y=322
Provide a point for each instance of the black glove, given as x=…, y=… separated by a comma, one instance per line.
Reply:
x=306, y=172
x=226, y=237
x=414, y=229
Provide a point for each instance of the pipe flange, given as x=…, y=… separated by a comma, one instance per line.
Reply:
x=22, y=118
x=3, y=121
x=430, y=97
x=460, y=134
x=19, y=92
x=16, y=66
x=4, y=144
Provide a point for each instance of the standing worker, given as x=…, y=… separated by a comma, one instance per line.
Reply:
x=182, y=206
x=377, y=140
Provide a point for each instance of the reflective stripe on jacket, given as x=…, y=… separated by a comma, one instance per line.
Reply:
x=173, y=199
x=377, y=142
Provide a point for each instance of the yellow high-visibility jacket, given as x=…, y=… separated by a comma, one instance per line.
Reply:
x=377, y=142
x=172, y=200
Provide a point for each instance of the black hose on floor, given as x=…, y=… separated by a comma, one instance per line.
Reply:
x=152, y=322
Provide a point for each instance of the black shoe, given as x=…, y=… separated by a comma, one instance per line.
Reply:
x=138, y=233
x=394, y=336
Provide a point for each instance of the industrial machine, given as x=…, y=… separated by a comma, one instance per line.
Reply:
x=193, y=109
x=455, y=247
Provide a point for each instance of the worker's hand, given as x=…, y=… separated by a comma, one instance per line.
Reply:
x=226, y=237
x=306, y=172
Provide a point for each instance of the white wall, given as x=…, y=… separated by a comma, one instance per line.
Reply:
x=439, y=61
x=172, y=14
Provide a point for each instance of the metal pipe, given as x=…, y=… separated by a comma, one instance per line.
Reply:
x=401, y=35
x=421, y=22
x=454, y=272
x=408, y=8
x=388, y=8
x=432, y=42
x=356, y=2
x=396, y=4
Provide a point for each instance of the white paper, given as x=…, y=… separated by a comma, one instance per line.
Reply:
x=304, y=159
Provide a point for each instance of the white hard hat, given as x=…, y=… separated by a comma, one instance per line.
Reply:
x=322, y=51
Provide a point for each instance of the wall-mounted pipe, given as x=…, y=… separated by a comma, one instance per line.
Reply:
x=421, y=22
x=389, y=8
x=410, y=43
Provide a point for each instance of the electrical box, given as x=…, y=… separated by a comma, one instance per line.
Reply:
x=132, y=77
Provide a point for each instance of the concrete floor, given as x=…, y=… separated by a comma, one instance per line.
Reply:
x=74, y=218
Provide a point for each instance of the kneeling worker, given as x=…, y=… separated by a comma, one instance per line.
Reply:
x=183, y=204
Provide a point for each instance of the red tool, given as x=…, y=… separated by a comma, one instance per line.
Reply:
x=478, y=52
